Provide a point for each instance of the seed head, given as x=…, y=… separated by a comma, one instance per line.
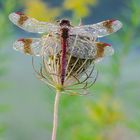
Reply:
x=80, y=74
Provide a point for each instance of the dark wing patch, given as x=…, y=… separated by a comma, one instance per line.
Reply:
x=22, y=18
x=103, y=50
x=29, y=46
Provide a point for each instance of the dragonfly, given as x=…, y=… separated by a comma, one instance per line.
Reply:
x=79, y=41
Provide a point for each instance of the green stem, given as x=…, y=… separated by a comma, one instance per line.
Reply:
x=55, y=117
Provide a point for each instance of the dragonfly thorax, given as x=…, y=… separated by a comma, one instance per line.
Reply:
x=64, y=32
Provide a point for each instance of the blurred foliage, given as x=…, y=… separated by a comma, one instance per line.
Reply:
x=6, y=7
x=40, y=10
x=79, y=8
x=105, y=111
x=129, y=41
x=92, y=117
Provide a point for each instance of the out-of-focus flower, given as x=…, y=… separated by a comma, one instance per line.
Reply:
x=80, y=8
x=106, y=111
x=40, y=10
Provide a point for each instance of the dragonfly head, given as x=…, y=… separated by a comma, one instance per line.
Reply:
x=64, y=22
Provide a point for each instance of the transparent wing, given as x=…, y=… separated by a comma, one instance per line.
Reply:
x=51, y=45
x=83, y=48
x=78, y=47
x=47, y=45
x=29, y=46
x=97, y=30
x=31, y=24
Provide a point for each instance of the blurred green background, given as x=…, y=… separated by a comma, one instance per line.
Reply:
x=113, y=110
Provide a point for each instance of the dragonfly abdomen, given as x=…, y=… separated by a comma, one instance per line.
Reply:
x=64, y=45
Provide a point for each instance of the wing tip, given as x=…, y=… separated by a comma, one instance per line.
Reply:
x=108, y=51
x=18, y=46
x=14, y=17
x=116, y=24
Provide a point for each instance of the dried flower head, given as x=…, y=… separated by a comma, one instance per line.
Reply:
x=80, y=73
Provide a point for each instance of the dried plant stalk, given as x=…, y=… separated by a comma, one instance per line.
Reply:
x=55, y=117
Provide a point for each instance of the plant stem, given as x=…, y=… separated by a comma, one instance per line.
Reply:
x=55, y=116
